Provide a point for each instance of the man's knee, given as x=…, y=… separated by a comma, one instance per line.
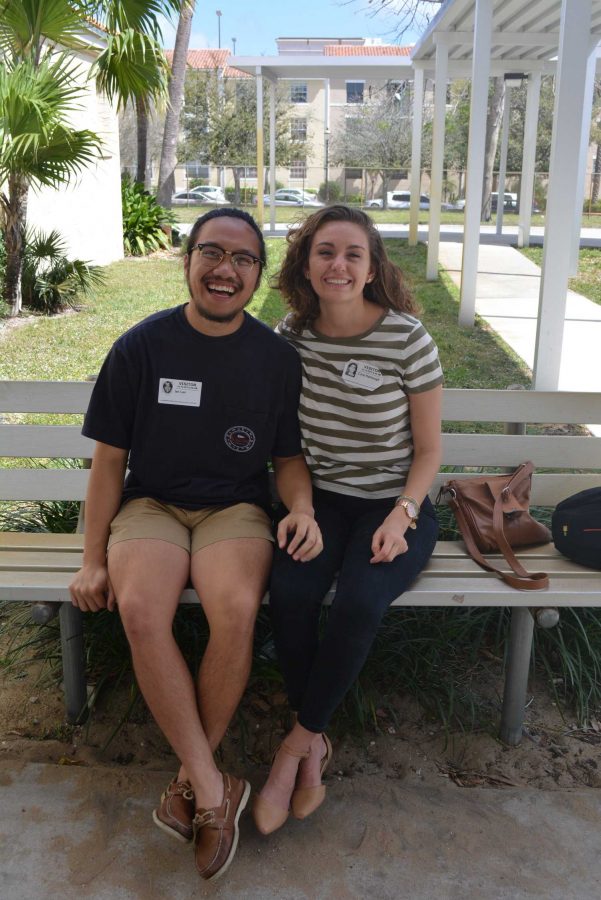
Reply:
x=233, y=617
x=140, y=616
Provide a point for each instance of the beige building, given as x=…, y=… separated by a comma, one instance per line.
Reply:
x=319, y=108
x=87, y=213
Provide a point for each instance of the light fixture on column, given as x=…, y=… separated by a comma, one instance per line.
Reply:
x=515, y=79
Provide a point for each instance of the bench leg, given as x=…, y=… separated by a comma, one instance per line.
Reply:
x=74, y=672
x=516, y=679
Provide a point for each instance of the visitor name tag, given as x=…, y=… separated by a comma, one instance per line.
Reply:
x=362, y=374
x=176, y=392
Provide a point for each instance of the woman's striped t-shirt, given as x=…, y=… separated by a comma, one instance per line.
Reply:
x=354, y=408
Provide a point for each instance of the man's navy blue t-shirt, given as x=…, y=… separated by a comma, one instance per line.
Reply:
x=200, y=416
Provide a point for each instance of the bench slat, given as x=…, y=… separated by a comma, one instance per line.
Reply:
x=45, y=441
x=510, y=450
x=458, y=404
x=43, y=484
x=467, y=405
x=428, y=590
x=45, y=396
x=70, y=561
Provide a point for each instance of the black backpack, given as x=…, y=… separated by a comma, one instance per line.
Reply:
x=576, y=527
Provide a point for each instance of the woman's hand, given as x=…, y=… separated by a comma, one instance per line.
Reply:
x=389, y=541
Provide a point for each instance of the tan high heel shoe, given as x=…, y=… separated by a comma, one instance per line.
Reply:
x=269, y=817
x=306, y=800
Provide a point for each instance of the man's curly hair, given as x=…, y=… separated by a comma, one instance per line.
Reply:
x=387, y=289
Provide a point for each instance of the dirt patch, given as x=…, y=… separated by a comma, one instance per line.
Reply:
x=405, y=743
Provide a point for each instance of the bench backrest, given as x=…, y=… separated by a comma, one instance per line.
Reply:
x=463, y=453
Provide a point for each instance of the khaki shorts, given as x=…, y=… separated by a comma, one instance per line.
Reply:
x=191, y=529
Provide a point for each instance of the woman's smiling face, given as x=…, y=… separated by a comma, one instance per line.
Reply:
x=339, y=264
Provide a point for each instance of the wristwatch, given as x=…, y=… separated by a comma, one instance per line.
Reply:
x=411, y=507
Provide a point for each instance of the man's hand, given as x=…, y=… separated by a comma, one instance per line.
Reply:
x=91, y=589
x=306, y=542
x=388, y=541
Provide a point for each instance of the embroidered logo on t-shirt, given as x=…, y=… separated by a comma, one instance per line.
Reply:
x=240, y=438
x=361, y=374
x=177, y=392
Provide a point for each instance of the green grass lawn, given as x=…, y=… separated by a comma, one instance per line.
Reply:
x=73, y=346
x=588, y=280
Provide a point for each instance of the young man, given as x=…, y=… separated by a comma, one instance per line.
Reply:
x=194, y=401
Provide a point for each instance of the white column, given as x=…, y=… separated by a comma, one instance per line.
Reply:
x=475, y=160
x=260, y=216
x=416, y=153
x=528, y=158
x=563, y=184
x=440, y=99
x=584, y=145
x=503, y=159
x=326, y=133
x=272, y=86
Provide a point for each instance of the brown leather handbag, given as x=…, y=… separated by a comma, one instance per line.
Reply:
x=492, y=514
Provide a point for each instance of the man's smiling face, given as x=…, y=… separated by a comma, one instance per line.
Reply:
x=219, y=293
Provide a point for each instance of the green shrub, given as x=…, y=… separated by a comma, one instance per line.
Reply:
x=329, y=192
x=353, y=199
x=248, y=195
x=50, y=281
x=143, y=220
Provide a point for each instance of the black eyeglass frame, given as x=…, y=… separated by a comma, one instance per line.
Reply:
x=231, y=253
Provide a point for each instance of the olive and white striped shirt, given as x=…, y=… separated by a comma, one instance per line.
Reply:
x=354, y=409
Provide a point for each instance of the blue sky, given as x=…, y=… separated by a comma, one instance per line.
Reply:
x=257, y=23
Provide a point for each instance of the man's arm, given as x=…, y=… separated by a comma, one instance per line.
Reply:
x=293, y=483
x=90, y=589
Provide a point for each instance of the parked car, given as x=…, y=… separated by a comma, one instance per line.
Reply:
x=292, y=197
x=205, y=193
x=399, y=200
x=510, y=203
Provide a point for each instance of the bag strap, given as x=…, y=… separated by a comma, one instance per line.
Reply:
x=522, y=580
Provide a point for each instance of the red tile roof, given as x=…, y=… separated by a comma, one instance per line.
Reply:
x=210, y=59
x=371, y=50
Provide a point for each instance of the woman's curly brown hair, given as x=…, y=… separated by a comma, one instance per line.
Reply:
x=388, y=288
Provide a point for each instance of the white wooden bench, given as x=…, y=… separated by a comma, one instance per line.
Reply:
x=37, y=568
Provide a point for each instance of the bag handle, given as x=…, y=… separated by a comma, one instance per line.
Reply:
x=522, y=580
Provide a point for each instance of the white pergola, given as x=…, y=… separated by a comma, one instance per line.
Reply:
x=306, y=68
x=478, y=39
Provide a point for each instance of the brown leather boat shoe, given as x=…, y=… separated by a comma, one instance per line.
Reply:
x=216, y=830
x=176, y=810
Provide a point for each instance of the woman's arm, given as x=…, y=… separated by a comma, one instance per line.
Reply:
x=425, y=417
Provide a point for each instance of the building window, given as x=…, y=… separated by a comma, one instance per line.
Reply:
x=352, y=174
x=298, y=168
x=197, y=170
x=249, y=172
x=298, y=92
x=298, y=129
x=354, y=91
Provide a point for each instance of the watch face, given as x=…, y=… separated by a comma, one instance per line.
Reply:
x=412, y=509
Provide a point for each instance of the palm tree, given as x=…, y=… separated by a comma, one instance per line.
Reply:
x=39, y=89
x=176, y=99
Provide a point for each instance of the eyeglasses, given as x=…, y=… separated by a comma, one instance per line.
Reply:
x=211, y=256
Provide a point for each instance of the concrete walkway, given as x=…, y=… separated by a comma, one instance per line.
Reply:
x=71, y=832
x=507, y=291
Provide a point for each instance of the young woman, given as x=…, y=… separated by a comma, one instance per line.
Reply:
x=370, y=420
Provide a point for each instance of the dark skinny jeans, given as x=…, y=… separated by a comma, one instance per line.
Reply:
x=318, y=673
